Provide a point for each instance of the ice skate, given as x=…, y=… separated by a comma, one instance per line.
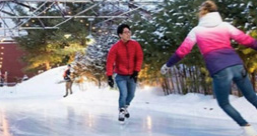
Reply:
x=122, y=115
x=127, y=115
x=249, y=131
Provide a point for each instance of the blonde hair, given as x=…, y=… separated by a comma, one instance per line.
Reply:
x=206, y=7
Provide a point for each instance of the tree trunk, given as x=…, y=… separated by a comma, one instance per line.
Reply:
x=197, y=87
x=165, y=86
x=177, y=81
x=184, y=78
x=182, y=83
x=191, y=88
x=99, y=82
x=172, y=83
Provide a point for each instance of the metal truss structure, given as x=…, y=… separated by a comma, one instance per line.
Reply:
x=117, y=9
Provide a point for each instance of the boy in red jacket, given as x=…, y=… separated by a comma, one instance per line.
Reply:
x=124, y=58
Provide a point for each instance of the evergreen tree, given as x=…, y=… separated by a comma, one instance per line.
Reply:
x=163, y=33
x=243, y=15
x=47, y=48
x=92, y=64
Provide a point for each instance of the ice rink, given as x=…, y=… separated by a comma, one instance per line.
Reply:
x=58, y=119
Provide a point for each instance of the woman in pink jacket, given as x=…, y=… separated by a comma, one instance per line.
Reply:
x=213, y=36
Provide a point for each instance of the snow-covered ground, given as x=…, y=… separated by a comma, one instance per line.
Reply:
x=36, y=108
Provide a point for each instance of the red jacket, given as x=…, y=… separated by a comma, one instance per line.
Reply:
x=124, y=58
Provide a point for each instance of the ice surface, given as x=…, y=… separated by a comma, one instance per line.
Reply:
x=36, y=108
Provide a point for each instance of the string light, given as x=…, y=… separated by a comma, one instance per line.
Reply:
x=67, y=36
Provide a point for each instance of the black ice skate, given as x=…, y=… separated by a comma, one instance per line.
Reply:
x=127, y=113
x=122, y=115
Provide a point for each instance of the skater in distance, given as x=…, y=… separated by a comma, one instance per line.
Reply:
x=213, y=36
x=68, y=80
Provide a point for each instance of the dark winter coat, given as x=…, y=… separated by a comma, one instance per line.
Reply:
x=66, y=75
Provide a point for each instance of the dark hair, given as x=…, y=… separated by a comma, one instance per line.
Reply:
x=69, y=65
x=121, y=27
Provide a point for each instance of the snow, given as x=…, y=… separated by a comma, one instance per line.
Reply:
x=165, y=14
x=36, y=108
x=159, y=34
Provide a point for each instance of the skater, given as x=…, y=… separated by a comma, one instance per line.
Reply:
x=25, y=78
x=68, y=80
x=213, y=38
x=124, y=58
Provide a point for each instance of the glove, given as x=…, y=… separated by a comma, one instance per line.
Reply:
x=164, y=69
x=134, y=76
x=110, y=81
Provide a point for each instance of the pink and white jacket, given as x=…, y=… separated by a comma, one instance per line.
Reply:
x=213, y=36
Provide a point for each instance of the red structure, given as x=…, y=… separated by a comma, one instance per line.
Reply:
x=10, y=63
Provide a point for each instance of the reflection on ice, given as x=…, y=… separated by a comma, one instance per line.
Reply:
x=80, y=120
x=90, y=120
x=4, y=124
x=149, y=122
